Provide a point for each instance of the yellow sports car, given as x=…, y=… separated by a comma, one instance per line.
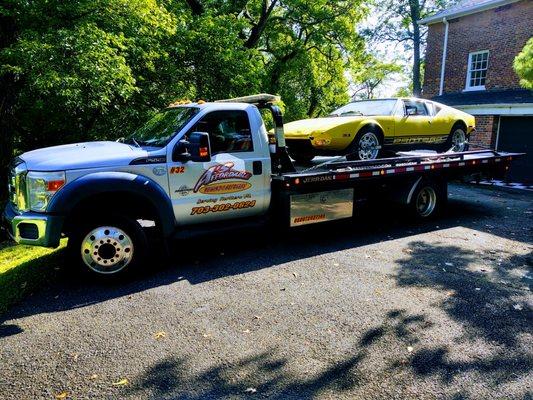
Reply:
x=364, y=130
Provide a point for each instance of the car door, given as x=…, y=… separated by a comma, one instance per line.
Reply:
x=232, y=184
x=415, y=125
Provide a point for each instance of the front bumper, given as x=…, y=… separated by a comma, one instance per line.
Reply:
x=32, y=228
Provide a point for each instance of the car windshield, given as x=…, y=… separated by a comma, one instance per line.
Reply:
x=161, y=127
x=368, y=107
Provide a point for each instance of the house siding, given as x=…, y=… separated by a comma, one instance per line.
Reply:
x=503, y=31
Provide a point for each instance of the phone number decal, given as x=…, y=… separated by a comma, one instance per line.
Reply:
x=223, y=207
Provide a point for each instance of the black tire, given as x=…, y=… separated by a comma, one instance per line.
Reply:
x=428, y=199
x=353, y=151
x=117, y=240
x=449, y=145
x=300, y=157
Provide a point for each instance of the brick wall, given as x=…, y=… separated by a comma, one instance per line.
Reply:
x=486, y=128
x=503, y=31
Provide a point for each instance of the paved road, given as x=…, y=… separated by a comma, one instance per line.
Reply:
x=382, y=308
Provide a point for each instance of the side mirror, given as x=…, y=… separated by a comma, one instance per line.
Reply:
x=410, y=110
x=181, y=152
x=200, y=147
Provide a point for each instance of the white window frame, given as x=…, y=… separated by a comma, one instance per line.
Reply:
x=469, y=70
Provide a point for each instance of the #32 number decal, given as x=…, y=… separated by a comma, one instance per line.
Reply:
x=223, y=207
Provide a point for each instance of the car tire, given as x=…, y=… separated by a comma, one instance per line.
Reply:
x=108, y=246
x=301, y=158
x=367, y=145
x=457, y=140
x=428, y=199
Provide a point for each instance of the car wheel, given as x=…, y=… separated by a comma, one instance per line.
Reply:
x=301, y=158
x=108, y=246
x=457, y=141
x=366, y=146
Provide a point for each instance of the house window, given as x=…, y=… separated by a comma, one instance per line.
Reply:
x=477, y=70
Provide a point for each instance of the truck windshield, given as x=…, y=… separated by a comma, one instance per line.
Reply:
x=369, y=107
x=161, y=127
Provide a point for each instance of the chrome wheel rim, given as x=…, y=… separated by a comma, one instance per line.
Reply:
x=458, y=140
x=368, y=146
x=426, y=201
x=107, y=250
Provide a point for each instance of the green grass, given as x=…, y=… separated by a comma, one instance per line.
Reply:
x=23, y=269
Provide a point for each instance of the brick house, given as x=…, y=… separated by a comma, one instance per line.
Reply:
x=469, y=65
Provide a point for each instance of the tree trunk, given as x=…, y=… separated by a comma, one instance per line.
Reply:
x=415, y=16
x=259, y=27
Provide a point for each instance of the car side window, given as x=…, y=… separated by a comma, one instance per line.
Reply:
x=430, y=108
x=418, y=106
x=229, y=131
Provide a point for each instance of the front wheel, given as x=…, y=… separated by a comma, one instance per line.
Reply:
x=366, y=146
x=109, y=246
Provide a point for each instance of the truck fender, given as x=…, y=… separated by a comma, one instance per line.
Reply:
x=98, y=183
x=403, y=193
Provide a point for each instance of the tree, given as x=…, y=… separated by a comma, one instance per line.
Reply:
x=94, y=69
x=370, y=76
x=523, y=65
x=304, y=47
x=397, y=22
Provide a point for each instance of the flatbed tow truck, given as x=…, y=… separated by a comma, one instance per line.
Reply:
x=218, y=168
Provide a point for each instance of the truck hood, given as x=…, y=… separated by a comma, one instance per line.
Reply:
x=82, y=155
x=305, y=127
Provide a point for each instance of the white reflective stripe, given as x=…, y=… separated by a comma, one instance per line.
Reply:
x=354, y=175
x=445, y=165
x=391, y=171
x=375, y=173
x=484, y=161
x=410, y=169
x=461, y=164
x=498, y=160
x=427, y=167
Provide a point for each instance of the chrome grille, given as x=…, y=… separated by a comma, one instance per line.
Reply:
x=17, y=185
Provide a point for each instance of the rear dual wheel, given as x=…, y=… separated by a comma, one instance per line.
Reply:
x=428, y=199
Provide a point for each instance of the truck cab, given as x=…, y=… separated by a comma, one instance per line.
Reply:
x=190, y=164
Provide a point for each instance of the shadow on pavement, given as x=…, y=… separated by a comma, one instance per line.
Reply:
x=199, y=260
x=488, y=313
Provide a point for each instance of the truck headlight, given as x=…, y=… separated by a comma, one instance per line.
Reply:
x=42, y=186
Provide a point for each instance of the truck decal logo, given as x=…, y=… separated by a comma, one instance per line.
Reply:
x=159, y=171
x=226, y=187
x=206, y=183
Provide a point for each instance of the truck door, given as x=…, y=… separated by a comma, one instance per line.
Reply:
x=234, y=184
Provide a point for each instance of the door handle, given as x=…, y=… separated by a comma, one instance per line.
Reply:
x=257, y=167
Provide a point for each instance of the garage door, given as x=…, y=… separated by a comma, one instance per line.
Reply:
x=516, y=135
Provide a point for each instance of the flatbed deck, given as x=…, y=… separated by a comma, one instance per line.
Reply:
x=463, y=163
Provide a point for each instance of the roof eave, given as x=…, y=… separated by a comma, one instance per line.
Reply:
x=439, y=17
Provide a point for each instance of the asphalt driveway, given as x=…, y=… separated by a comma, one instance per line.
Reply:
x=379, y=308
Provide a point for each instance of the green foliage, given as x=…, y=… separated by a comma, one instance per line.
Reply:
x=368, y=77
x=24, y=269
x=95, y=69
x=523, y=65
